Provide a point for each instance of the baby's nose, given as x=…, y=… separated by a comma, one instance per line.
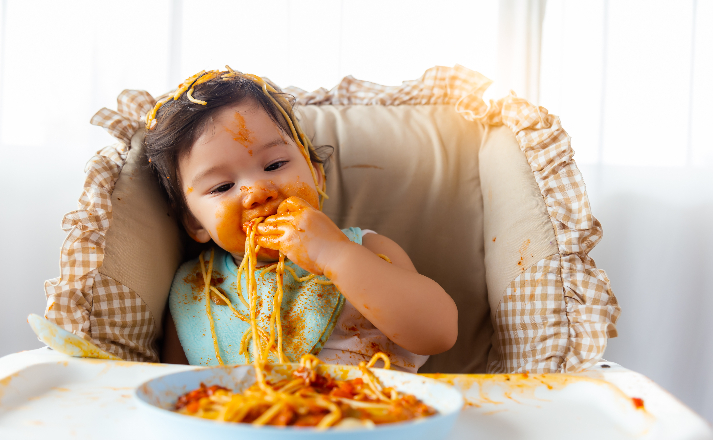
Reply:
x=259, y=195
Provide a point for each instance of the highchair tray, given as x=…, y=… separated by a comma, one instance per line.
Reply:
x=45, y=394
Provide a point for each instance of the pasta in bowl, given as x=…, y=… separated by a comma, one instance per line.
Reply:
x=300, y=400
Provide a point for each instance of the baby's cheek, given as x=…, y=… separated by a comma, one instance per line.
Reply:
x=304, y=191
x=228, y=230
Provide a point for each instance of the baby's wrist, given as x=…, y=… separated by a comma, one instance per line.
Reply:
x=333, y=258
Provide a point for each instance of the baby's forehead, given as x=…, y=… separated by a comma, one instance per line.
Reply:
x=246, y=112
x=229, y=117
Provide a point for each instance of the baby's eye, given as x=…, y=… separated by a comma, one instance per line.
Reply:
x=222, y=188
x=275, y=165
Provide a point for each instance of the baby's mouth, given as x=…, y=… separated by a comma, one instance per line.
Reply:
x=266, y=210
x=247, y=224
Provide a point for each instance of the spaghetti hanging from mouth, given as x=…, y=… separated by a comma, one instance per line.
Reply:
x=265, y=341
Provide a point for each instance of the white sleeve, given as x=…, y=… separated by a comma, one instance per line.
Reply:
x=366, y=231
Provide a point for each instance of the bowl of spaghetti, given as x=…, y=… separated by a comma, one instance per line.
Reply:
x=300, y=400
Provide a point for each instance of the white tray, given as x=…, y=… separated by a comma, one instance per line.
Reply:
x=44, y=394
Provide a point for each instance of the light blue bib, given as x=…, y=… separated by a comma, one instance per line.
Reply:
x=309, y=310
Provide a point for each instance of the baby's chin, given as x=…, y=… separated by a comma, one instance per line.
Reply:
x=268, y=255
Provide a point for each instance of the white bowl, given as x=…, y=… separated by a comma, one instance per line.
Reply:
x=158, y=396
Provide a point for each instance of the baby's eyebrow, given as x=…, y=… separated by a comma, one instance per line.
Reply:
x=272, y=143
x=203, y=174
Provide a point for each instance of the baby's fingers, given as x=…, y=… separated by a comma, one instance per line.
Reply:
x=292, y=204
x=269, y=242
x=272, y=228
x=278, y=218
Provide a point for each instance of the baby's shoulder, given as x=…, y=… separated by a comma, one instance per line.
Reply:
x=353, y=234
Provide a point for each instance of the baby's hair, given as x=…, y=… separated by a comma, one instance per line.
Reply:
x=177, y=124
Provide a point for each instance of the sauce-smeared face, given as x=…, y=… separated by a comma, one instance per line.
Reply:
x=241, y=168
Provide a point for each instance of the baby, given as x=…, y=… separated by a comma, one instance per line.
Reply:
x=237, y=167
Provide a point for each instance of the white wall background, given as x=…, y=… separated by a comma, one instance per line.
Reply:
x=630, y=79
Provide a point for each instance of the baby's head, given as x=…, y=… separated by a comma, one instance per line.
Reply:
x=226, y=154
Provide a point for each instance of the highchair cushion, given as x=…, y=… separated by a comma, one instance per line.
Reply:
x=123, y=245
x=486, y=200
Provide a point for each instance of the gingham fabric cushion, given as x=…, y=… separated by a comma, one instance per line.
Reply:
x=82, y=300
x=555, y=316
x=547, y=324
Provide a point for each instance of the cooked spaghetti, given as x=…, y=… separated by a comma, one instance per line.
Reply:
x=308, y=398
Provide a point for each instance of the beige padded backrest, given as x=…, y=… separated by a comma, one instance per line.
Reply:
x=518, y=231
x=411, y=173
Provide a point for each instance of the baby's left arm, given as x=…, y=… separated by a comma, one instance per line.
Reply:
x=410, y=309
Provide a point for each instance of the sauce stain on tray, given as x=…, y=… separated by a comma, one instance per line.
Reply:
x=480, y=389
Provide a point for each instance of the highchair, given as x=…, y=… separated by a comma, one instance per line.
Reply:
x=485, y=199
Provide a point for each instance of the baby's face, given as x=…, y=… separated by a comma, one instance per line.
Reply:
x=241, y=168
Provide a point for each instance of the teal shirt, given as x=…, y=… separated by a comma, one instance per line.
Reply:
x=309, y=310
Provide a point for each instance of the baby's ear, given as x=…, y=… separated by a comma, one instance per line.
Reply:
x=318, y=171
x=195, y=229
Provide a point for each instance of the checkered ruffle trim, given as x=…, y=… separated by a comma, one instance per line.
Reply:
x=81, y=300
x=458, y=85
x=574, y=335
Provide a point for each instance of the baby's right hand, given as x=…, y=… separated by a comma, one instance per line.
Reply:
x=305, y=235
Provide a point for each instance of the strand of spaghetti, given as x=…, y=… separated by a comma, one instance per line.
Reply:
x=372, y=381
x=331, y=418
x=151, y=116
x=185, y=85
x=267, y=269
x=236, y=313
x=359, y=404
x=308, y=277
x=242, y=411
x=288, y=387
x=244, y=344
x=269, y=414
x=274, y=317
x=298, y=279
x=324, y=186
x=207, y=275
x=190, y=97
x=309, y=361
x=279, y=277
x=252, y=292
x=241, y=269
x=376, y=357
x=227, y=302
x=271, y=337
x=384, y=257
x=244, y=350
